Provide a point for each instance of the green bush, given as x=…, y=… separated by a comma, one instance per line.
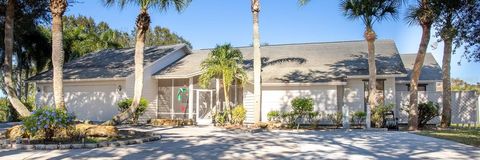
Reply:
x=302, y=105
x=359, y=117
x=289, y=118
x=4, y=113
x=426, y=112
x=239, y=114
x=124, y=104
x=221, y=118
x=48, y=120
x=336, y=118
x=378, y=114
x=273, y=115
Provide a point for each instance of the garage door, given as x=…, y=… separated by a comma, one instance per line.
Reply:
x=93, y=102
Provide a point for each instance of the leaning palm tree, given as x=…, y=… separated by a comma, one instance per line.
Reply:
x=423, y=14
x=371, y=11
x=257, y=61
x=57, y=8
x=223, y=62
x=7, y=65
x=142, y=26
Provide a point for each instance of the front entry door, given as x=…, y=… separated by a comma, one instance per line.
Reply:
x=204, y=107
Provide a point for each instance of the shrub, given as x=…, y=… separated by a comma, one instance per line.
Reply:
x=302, y=105
x=221, y=118
x=124, y=104
x=359, y=117
x=4, y=113
x=378, y=114
x=336, y=118
x=48, y=120
x=426, y=112
x=289, y=118
x=239, y=114
x=273, y=115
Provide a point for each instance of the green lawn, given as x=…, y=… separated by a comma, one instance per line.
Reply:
x=465, y=136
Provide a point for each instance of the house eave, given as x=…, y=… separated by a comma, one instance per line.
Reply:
x=420, y=81
x=378, y=76
x=305, y=84
x=81, y=80
x=178, y=76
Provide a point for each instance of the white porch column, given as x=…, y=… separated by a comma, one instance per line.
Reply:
x=217, y=93
x=190, y=98
x=346, y=116
x=367, y=120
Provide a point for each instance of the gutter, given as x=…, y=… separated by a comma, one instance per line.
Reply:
x=80, y=80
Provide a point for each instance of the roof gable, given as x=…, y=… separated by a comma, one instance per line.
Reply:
x=108, y=63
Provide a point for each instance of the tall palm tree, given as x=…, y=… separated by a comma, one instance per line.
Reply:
x=451, y=19
x=57, y=8
x=142, y=26
x=7, y=65
x=257, y=63
x=370, y=12
x=223, y=62
x=424, y=14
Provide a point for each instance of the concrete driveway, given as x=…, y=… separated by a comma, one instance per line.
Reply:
x=213, y=143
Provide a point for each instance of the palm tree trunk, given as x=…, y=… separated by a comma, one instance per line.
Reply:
x=57, y=8
x=447, y=91
x=7, y=65
x=413, y=105
x=370, y=36
x=142, y=24
x=257, y=64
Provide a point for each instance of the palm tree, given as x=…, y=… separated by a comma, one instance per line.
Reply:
x=142, y=26
x=371, y=11
x=57, y=8
x=423, y=14
x=257, y=63
x=7, y=65
x=452, y=19
x=223, y=62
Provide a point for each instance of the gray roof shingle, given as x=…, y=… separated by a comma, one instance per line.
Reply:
x=431, y=71
x=107, y=63
x=306, y=62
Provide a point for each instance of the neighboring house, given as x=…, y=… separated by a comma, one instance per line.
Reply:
x=334, y=74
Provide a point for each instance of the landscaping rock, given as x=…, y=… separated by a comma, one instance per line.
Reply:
x=15, y=132
x=103, y=144
x=39, y=146
x=91, y=145
x=102, y=131
x=77, y=146
x=51, y=146
x=64, y=146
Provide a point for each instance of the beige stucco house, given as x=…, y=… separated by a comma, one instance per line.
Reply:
x=334, y=74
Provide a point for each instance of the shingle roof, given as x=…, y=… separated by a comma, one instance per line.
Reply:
x=430, y=71
x=306, y=62
x=108, y=63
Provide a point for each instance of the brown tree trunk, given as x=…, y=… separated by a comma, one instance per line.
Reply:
x=142, y=24
x=257, y=64
x=370, y=36
x=447, y=91
x=58, y=7
x=7, y=65
x=417, y=68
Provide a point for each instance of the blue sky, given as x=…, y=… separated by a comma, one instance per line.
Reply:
x=206, y=23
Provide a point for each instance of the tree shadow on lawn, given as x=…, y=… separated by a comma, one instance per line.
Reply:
x=281, y=145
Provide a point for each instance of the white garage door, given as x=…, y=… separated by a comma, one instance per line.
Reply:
x=92, y=102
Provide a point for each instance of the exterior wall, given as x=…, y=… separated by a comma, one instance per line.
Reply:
x=249, y=103
x=354, y=93
x=150, y=85
x=94, y=100
x=279, y=98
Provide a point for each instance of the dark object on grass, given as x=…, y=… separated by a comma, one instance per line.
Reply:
x=390, y=121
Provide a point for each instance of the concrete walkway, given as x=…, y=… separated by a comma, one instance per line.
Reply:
x=214, y=143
